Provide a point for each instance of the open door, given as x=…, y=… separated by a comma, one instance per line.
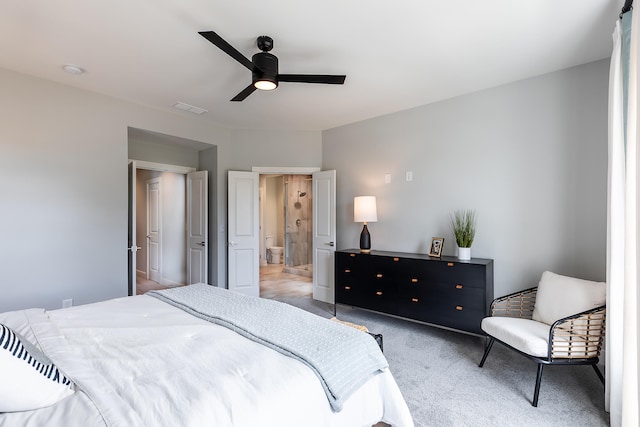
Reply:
x=324, y=235
x=154, y=229
x=243, y=256
x=197, y=227
x=132, y=247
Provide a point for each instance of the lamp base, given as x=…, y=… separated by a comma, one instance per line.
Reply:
x=365, y=240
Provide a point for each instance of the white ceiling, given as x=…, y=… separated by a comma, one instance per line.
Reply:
x=396, y=55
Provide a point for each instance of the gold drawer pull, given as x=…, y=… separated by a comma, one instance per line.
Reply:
x=347, y=270
x=414, y=280
x=459, y=307
x=379, y=293
x=352, y=255
x=449, y=264
x=459, y=286
x=347, y=288
x=378, y=275
x=396, y=259
x=414, y=299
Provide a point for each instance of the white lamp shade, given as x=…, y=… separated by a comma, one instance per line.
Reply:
x=364, y=209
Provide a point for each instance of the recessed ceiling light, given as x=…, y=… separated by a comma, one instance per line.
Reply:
x=73, y=69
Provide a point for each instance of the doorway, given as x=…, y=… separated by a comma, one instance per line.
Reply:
x=246, y=238
x=286, y=260
x=160, y=229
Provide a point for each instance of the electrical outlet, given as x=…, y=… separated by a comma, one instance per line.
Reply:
x=66, y=303
x=409, y=176
x=387, y=178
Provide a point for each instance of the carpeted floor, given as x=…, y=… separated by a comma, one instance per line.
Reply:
x=438, y=374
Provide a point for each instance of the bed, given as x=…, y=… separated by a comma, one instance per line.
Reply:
x=200, y=355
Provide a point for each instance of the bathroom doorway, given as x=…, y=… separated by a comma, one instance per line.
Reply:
x=286, y=265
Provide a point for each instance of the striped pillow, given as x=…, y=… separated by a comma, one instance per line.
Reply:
x=29, y=379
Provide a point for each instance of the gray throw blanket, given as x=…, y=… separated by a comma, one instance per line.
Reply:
x=342, y=357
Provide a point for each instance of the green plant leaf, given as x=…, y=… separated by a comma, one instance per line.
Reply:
x=463, y=226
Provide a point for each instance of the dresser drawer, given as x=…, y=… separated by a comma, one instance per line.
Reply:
x=447, y=272
x=381, y=297
x=459, y=317
x=459, y=295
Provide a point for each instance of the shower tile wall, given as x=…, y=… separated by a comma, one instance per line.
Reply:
x=298, y=220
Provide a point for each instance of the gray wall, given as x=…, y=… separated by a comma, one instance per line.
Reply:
x=63, y=192
x=530, y=157
x=155, y=151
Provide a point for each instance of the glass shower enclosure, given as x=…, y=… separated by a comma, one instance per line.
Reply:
x=298, y=225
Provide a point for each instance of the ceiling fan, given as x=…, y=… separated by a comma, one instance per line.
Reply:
x=264, y=67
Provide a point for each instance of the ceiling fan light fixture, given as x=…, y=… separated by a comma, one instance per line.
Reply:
x=265, y=84
x=264, y=67
x=265, y=72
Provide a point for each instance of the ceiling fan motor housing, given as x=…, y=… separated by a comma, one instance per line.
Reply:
x=266, y=67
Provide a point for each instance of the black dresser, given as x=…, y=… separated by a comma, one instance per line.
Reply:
x=441, y=291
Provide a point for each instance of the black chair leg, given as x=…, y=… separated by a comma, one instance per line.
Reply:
x=538, y=380
x=486, y=351
x=595, y=368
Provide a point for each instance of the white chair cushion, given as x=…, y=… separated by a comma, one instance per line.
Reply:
x=561, y=296
x=526, y=335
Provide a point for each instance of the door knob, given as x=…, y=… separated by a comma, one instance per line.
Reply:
x=203, y=244
x=232, y=243
x=330, y=243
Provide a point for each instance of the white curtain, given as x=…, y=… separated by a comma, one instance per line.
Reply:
x=622, y=382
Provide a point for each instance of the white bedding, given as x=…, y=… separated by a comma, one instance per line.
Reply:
x=138, y=361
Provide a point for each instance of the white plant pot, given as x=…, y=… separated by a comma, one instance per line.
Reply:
x=464, y=253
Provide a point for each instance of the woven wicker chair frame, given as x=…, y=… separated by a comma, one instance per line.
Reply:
x=573, y=340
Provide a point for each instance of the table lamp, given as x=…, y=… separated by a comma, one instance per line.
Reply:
x=364, y=210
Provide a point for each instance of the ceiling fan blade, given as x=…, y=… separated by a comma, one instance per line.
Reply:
x=227, y=48
x=312, y=78
x=245, y=92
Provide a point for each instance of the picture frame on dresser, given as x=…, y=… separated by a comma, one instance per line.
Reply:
x=435, y=250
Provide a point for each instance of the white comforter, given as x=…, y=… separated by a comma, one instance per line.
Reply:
x=140, y=362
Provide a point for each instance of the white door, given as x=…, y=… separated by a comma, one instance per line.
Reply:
x=154, y=229
x=132, y=248
x=197, y=221
x=324, y=235
x=243, y=244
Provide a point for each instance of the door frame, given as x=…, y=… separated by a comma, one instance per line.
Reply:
x=284, y=170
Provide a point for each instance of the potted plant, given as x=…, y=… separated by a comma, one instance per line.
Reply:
x=463, y=226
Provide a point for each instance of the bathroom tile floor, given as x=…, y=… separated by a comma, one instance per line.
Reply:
x=275, y=283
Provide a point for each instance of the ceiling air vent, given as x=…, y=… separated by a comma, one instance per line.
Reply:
x=190, y=108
